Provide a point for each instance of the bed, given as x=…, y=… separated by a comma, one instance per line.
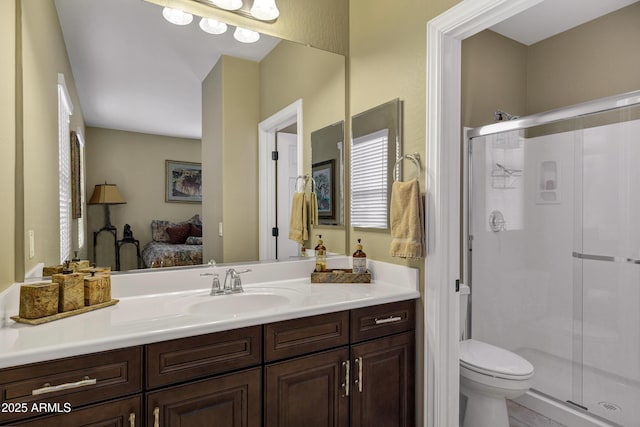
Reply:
x=174, y=243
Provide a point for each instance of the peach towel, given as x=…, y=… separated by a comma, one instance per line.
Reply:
x=407, y=220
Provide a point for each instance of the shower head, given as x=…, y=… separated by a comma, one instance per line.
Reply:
x=500, y=116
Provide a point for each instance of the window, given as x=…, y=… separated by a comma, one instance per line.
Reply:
x=65, y=109
x=369, y=175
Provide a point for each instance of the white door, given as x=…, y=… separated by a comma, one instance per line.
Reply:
x=286, y=174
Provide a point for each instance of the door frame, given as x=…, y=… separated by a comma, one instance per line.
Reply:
x=442, y=264
x=267, y=130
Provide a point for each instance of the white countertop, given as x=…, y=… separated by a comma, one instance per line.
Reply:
x=162, y=305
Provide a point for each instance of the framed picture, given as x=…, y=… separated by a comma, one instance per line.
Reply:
x=76, y=177
x=323, y=173
x=183, y=182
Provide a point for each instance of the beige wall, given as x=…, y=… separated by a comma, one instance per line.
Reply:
x=44, y=55
x=230, y=154
x=135, y=162
x=212, y=137
x=597, y=59
x=291, y=72
x=7, y=141
x=494, y=76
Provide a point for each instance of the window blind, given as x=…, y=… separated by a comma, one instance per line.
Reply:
x=64, y=167
x=369, y=176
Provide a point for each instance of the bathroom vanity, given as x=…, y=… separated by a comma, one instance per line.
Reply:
x=330, y=355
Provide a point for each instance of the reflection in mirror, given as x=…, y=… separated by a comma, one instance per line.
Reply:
x=376, y=144
x=131, y=127
x=327, y=165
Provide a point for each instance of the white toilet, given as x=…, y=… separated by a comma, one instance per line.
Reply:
x=488, y=376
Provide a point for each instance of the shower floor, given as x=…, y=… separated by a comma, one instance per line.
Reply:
x=606, y=395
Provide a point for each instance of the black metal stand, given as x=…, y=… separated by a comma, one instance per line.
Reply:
x=107, y=227
x=123, y=242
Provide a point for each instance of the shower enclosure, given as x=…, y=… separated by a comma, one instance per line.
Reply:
x=554, y=250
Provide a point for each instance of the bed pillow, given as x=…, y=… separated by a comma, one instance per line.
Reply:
x=193, y=240
x=196, y=231
x=159, y=227
x=179, y=233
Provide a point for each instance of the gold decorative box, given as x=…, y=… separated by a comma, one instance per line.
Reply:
x=71, y=294
x=97, y=289
x=38, y=300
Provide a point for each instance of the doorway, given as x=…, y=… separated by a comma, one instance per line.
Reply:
x=282, y=134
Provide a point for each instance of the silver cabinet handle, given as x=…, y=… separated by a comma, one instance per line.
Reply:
x=347, y=374
x=132, y=419
x=389, y=319
x=47, y=388
x=156, y=417
x=358, y=362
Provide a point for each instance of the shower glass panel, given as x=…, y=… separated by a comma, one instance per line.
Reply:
x=554, y=220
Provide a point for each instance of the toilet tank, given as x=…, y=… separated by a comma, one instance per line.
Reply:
x=465, y=291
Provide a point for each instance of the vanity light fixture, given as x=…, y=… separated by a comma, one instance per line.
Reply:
x=212, y=26
x=228, y=4
x=177, y=16
x=265, y=10
x=246, y=36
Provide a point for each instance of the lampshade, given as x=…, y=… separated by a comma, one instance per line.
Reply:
x=265, y=10
x=246, y=36
x=106, y=194
x=212, y=26
x=177, y=16
x=228, y=4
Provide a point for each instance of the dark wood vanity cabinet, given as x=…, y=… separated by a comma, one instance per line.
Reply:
x=368, y=380
x=338, y=369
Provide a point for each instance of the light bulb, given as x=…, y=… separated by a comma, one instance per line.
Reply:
x=265, y=10
x=212, y=26
x=177, y=16
x=228, y=4
x=246, y=36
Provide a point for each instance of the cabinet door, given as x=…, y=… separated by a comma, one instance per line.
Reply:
x=117, y=413
x=383, y=382
x=309, y=391
x=232, y=400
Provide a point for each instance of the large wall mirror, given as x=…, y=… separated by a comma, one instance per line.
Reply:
x=130, y=131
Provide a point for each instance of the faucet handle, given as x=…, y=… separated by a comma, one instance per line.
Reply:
x=215, y=286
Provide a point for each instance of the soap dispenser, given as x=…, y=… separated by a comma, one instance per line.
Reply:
x=359, y=259
x=321, y=257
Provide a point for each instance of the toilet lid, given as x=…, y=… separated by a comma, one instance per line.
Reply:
x=495, y=361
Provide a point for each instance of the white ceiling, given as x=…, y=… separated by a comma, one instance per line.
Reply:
x=135, y=71
x=552, y=17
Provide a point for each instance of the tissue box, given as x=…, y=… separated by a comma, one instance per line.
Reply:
x=38, y=300
x=97, y=289
x=71, y=291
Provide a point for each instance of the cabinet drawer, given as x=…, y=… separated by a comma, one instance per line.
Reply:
x=116, y=413
x=306, y=335
x=184, y=359
x=380, y=320
x=87, y=379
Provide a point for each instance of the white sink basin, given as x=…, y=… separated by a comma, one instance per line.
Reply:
x=231, y=305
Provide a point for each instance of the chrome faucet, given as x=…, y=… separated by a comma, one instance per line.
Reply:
x=232, y=282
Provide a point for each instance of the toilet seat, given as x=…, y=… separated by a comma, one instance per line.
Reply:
x=494, y=361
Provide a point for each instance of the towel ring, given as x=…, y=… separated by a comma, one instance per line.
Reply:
x=305, y=180
x=415, y=159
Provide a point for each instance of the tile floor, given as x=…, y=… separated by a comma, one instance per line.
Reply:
x=519, y=416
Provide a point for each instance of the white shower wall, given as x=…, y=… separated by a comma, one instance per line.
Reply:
x=577, y=320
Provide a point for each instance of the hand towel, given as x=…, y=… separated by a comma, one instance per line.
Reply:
x=313, y=209
x=298, y=231
x=407, y=220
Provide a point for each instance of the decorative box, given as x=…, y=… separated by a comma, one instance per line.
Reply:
x=71, y=291
x=38, y=300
